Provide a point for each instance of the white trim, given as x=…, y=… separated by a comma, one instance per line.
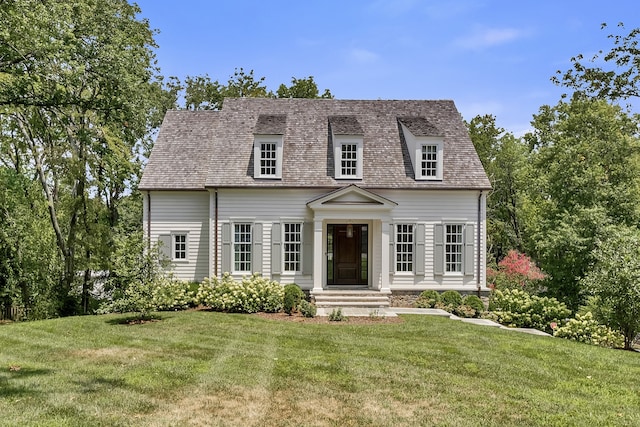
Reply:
x=174, y=234
x=338, y=142
x=257, y=155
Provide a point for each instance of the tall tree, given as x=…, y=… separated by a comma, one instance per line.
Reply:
x=588, y=165
x=302, y=88
x=505, y=159
x=618, y=78
x=76, y=92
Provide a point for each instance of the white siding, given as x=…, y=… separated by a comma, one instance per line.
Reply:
x=193, y=212
x=183, y=212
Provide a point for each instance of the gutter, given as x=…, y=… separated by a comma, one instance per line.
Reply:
x=215, y=233
x=149, y=221
x=479, y=260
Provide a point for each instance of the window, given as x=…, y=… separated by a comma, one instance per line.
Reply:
x=348, y=157
x=453, y=250
x=179, y=245
x=242, y=247
x=429, y=164
x=267, y=154
x=268, y=158
x=349, y=160
x=292, y=246
x=404, y=247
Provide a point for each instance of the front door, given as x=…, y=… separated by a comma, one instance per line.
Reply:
x=347, y=250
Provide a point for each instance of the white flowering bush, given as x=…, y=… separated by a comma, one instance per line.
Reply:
x=171, y=294
x=250, y=295
x=518, y=309
x=584, y=328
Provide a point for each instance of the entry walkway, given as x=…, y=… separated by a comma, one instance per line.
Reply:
x=394, y=311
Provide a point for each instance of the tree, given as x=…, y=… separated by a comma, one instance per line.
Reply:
x=302, y=88
x=505, y=159
x=614, y=279
x=588, y=166
x=618, y=79
x=77, y=97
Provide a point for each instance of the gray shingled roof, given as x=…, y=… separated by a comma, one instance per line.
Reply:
x=200, y=149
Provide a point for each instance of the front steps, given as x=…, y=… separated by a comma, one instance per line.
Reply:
x=353, y=302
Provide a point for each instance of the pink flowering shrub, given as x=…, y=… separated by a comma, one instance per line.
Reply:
x=516, y=271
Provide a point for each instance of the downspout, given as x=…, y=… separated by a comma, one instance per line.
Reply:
x=149, y=221
x=479, y=242
x=215, y=234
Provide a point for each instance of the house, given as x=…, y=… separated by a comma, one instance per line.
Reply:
x=338, y=196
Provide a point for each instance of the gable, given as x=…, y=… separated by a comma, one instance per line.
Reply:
x=351, y=196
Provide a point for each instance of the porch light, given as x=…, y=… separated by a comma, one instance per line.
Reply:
x=349, y=231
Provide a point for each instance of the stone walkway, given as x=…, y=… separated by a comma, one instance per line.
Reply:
x=394, y=311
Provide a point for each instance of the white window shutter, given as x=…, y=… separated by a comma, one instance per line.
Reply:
x=392, y=248
x=165, y=246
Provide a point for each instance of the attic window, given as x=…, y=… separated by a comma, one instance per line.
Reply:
x=425, y=145
x=267, y=156
x=347, y=137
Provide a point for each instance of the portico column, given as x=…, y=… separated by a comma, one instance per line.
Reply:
x=318, y=258
x=384, y=267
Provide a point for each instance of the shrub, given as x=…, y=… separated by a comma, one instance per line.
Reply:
x=584, y=328
x=464, y=310
x=428, y=299
x=451, y=299
x=307, y=309
x=516, y=271
x=250, y=295
x=474, y=302
x=516, y=308
x=336, y=315
x=292, y=297
x=172, y=294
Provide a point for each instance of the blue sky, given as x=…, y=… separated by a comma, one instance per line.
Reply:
x=490, y=57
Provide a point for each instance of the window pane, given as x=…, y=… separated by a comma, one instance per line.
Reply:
x=453, y=248
x=429, y=160
x=349, y=160
x=292, y=246
x=268, y=158
x=404, y=247
x=242, y=247
x=180, y=246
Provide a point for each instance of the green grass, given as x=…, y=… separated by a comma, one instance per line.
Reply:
x=202, y=368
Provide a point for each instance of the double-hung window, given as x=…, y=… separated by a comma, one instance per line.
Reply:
x=267, y=155
x=349, y=160
x=404, y=247
x=429, y=161
x=242, y=247
x=292, y=246
x=453, y=248
x=348, y=154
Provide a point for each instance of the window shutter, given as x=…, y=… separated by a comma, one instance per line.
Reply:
x=307, y=248
x=392, y=248
x=256, y=257
x=226, y=247
x=468, y=250
x=438, y=255
x=276, y=248
x=419, y=250
x=164, y=243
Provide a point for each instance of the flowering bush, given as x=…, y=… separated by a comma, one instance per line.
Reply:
x=250, y=295
x=516, y=271
x=584, y=328
x=172, y=294
x=516, y=308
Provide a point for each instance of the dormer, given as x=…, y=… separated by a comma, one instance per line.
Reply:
x=347, y=137
x=425, y=143
x=268, y=143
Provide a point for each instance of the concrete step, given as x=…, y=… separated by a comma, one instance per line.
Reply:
x=356, y=299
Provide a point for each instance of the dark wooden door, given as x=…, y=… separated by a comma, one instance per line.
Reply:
x=347, y=253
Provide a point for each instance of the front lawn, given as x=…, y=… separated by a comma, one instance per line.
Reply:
x=203, y=368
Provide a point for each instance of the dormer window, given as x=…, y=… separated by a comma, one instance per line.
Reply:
x=347, y=138
x=425, y=146
x=268, y=156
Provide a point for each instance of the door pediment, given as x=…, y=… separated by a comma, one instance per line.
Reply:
x=351, y=197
